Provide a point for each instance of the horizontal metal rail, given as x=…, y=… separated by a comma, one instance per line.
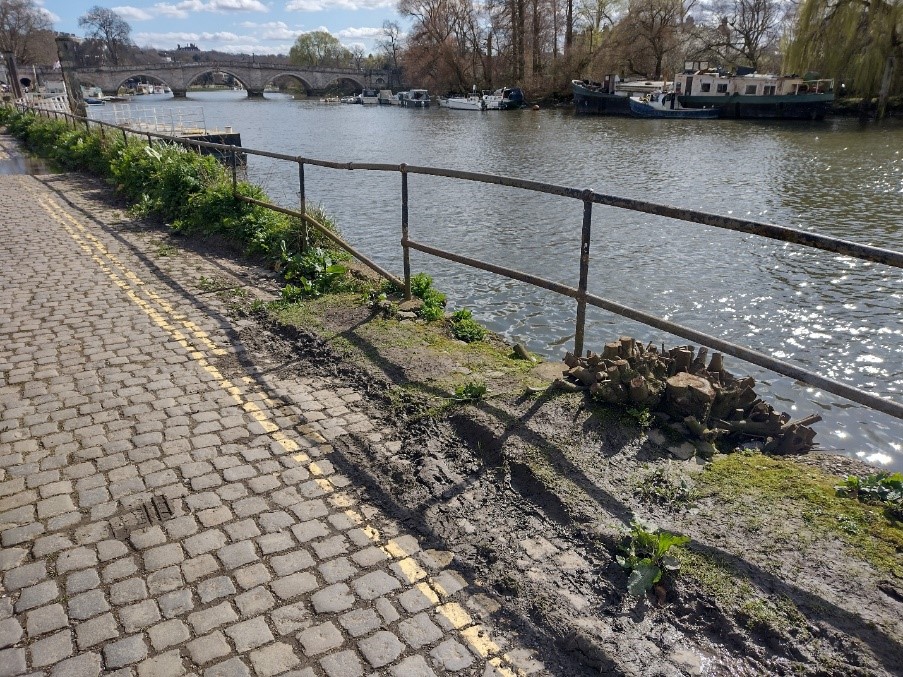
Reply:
x=329, y=234
x=588, y=197
x=835, y=387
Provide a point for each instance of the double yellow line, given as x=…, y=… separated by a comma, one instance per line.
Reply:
x=196, y=341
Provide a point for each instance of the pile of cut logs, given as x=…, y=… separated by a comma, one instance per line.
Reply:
x=702, y=400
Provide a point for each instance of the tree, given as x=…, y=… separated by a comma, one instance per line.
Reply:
x=748, y=31
x=651, y=29
x=23, y=27
x=110, y=30
x=319, y=48
x=391, y=41
x=860, y=39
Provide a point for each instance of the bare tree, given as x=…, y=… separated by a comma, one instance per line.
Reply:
x=748, y=30
x=357, y=56
x=111, y=30
x=22, y=26
x=391, y=41
x=650, y=32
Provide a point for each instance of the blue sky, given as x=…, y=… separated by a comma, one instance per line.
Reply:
x=249, y=26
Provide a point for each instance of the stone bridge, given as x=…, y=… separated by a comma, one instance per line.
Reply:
x=252, y=75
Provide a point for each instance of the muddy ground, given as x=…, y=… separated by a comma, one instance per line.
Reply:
x=533, y=492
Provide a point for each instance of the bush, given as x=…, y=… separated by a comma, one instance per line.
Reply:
x=194, y=193
x=433, y=301
x=465, y=328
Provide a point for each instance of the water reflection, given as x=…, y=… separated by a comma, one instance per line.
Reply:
x=836, y=315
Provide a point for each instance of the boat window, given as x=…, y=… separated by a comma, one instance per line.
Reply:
x=722, y=89
x=706, y=87
x=769, y=90
x=750, y=89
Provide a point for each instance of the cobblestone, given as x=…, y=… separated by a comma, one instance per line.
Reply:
x=114, y=392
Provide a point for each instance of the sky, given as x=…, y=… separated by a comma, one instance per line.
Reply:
x=237, y=26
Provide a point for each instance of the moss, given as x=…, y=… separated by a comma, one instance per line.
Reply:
x=783, y=486
x=449, y=358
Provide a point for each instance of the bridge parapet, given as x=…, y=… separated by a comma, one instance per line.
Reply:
x=254, y=76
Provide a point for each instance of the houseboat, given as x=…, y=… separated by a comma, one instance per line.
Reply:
x=747, y=94
x=611, y=96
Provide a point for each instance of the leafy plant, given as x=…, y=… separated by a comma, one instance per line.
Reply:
x=659, y=488
x=641, y=416
x=472, y=391
x=645, y=556
x=433, y=307
x=465, y=328
x=882, y=488
x=421, y=283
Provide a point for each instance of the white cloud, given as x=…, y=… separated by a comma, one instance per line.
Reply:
x=320, y=5
x=272, y=30
x=187, y=36
x=53, y=18
x=360, y=33
x=181, y=10
x=223, y=41
x=133, y=13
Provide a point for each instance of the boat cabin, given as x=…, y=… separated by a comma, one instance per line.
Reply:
x=715, y=82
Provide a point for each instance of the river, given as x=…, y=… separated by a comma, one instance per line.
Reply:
x=840, y=317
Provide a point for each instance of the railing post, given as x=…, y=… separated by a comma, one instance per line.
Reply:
x=125, y=139
x=234, y=172
x=405, y=250
x=302, y=198
x=584, y=272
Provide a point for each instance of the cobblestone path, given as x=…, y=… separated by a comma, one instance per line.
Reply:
x=163, y=512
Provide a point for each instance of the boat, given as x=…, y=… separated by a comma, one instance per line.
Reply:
x=472, y=102
x=369, y=96
x=93, y=101
x=747, y=94
x=611, y=96
x=354, y=98
x=505, y=98
x=415, y=98
x=387, y=98
x=666, y=105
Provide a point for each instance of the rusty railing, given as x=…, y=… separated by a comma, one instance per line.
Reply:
x=580, y=292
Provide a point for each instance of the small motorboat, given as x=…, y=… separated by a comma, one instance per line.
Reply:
x=666, y=105
x=506, y=98
x=93, y=101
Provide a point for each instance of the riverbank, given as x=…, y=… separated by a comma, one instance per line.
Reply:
x=531, y=491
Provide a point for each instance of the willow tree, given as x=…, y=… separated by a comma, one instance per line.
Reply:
x=863, y=38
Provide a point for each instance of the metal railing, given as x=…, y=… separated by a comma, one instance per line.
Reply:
x=580, y=292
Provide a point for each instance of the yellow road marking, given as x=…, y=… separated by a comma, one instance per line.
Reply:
x=165, y=317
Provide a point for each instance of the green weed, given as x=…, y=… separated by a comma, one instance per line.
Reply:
x=472, y=391
x=646, y=557
x=465, y=328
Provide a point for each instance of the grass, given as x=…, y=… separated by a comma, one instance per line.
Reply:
x=775, y=486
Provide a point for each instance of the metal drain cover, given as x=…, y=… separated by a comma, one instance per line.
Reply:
x=157, y=509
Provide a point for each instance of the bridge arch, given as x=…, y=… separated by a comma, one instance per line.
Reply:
x=124, y=78
x=297, y=77
x=337, y=81
x=196, y=75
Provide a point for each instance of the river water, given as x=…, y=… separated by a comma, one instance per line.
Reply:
x=840, y=317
